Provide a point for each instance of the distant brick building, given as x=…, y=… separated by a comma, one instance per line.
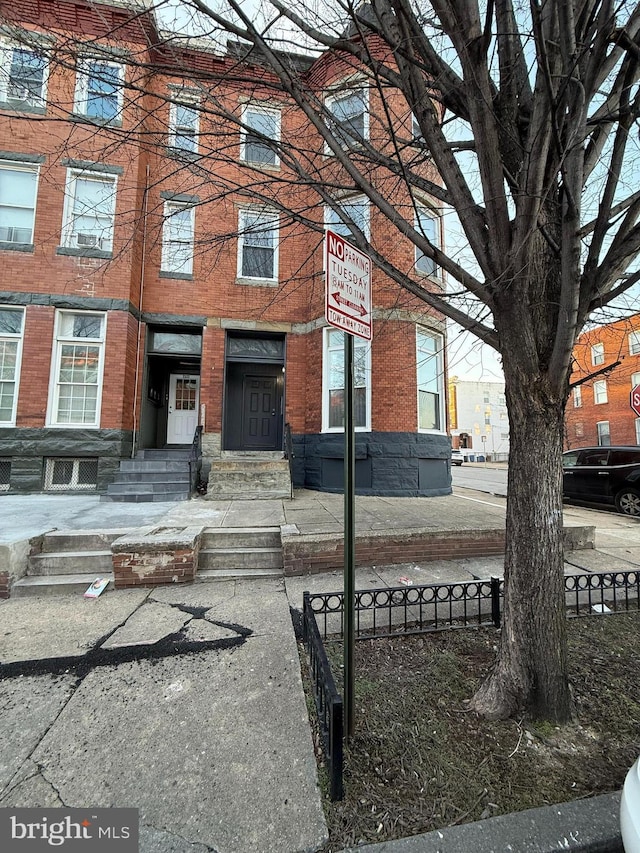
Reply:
x=598, y=411
x=146, y=291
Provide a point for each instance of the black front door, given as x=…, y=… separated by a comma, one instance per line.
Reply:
x=253, y=407
x=260, y=415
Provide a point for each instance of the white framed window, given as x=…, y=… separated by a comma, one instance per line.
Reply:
x=357, y=209
x=349, y=108
x=635, y=379
x=99, y=90
x=430, y=381
x=23, y=76
x=184, y=123
x=577, y=397
x=75, y=393
x=177, y=238
x=260, y=124
x=597, y=354
x=333, y=382
x=63, y=474
x=89, y=210
x=634, y=343
x=11, y=333
x=258, y=245
x=427, y=224
x=18, y=191
x=637, y=430
x=600, y=391
x=604, y=436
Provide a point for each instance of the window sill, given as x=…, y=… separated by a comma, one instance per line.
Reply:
x=99, y=122
x=257, y=282
x=182, y=154
x=20, y=107
x=179, y=276
x=75, y=252
x=71, y=426
x=6, y=246
x=262, y=167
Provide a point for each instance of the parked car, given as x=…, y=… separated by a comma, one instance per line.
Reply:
x=630, y=810
x=605, y=475
x=457, y=457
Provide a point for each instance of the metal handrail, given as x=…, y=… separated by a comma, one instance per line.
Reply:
x=288, y=453
x=195, y=460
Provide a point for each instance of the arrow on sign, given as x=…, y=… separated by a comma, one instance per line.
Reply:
x=358, y=307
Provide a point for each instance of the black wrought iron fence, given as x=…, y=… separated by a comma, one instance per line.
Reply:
x=288, y=452
x=327, y=699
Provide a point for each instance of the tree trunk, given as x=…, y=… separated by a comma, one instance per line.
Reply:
x=530, y=673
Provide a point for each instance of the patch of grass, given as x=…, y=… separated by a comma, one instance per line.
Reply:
x=419, y=760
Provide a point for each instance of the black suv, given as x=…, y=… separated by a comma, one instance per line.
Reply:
x=606, y=475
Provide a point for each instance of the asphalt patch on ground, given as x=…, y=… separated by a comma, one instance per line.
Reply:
x=172, y=645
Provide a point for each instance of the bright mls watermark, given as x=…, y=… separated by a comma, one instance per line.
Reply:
x=69, y=830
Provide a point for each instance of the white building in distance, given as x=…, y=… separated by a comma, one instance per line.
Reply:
x=478, y=419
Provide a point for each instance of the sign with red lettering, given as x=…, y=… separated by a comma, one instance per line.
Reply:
x=347, y=287
x=635, y=399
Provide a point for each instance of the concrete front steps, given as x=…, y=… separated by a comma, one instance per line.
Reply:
x=67, y=561
x=239, y=552
x=249, y=475
x=154, y=475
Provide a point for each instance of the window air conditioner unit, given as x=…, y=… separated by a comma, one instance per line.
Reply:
x=88, y=241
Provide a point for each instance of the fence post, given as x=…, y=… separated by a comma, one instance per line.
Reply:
x=495, y=601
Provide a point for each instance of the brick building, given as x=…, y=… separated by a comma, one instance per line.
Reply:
x=598, y=411
x=152, y=280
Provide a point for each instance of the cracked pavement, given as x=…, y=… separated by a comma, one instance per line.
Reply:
x=183, y=702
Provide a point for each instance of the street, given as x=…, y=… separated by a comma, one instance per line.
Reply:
x=474, y=475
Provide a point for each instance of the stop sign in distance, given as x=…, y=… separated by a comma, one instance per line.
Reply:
x=635, y=399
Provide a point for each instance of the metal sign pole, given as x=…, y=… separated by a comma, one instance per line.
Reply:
x=349, y=537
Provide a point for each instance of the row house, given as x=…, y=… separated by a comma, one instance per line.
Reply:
x=606, y=367
x=162, y=264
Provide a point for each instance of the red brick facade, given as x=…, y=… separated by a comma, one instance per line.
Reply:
x=126, y=285
x=605, y=398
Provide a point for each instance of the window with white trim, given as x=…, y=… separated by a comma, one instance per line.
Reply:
x=18, y=190
x=258, y=245
x=333, y=382
x=89, y=209
x=637, y=430
x=77, y=366
x=597, y=354
x=350, y=110
x=261, y=125
x=635, y=379
x=99, y=90
x=604, y=436
x=355, y=208
x=430, y=380
x=600, y=391
x=177, y=238
x=23, y=76
x=428, y=225
x=577, y=397
x=11, y=330
x=184, y=122
x=634, y=343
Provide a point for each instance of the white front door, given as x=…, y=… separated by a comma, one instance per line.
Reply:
x=184, y=400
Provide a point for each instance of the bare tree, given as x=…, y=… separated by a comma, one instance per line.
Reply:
x=523, y=120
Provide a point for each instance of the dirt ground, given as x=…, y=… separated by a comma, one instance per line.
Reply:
x=420, y=760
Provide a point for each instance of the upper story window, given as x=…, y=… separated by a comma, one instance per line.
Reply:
x=183, y=128
x=333, y=382
x=428, y=225
x=177, y=238
x=604, y=434
x=18, y=188
x=430, y=380
x=11, y=327
x=261, y=124
x=634, y=343
x=635, y=379
x=354, y=208
x=258, y=245
x=350, y=111
x=597, y=354
x=77, y=366
x=99, y=90
x=23, y=74
x=89, y=210
x=600, y=391
x=577, y=397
